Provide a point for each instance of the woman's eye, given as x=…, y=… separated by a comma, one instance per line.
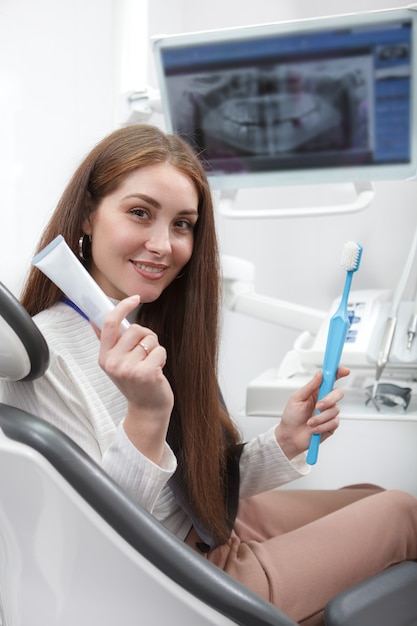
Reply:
x=184, y=225
x=142, y=213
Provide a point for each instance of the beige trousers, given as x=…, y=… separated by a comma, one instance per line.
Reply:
x=300, y=548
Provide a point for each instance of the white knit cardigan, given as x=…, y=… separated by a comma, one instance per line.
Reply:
x=78, y=397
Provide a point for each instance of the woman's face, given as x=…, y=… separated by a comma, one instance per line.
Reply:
x=143, y=233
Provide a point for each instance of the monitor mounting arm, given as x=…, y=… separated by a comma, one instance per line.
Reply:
x=364, y=196
x=240, y=296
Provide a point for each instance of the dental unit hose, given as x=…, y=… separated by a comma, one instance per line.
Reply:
x=338, y=328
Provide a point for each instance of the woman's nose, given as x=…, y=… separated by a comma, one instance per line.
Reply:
x=159, y=241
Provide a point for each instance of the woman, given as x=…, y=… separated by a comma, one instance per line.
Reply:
x=145, y=404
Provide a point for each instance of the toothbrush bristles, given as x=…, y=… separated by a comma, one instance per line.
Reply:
x=351, y=256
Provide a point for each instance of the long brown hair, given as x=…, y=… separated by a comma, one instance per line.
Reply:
x=185, y=316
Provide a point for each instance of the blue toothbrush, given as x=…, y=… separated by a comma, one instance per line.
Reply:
x=338, y=328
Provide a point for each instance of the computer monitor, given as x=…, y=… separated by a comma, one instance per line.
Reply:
x=318, y=100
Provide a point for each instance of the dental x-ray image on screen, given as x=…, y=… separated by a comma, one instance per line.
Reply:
x=270, y=113
x=315, y=96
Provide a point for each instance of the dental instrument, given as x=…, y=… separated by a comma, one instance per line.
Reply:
x=391, y=322
x=61, y=266
x=338, y=328
x=412, y=327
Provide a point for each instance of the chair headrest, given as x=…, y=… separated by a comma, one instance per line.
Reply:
x=24, y=353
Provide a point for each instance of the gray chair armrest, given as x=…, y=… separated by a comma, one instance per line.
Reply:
x=385, y=599
x=15, y=322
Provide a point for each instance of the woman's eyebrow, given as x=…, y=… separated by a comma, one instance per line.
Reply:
x=146, y=198
x=188, y=212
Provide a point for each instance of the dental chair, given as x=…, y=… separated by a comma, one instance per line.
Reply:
x=74, y=549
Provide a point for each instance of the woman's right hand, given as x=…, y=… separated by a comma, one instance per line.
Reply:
x=134, y=361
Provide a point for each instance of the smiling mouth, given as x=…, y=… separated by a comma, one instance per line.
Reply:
x=149, y=269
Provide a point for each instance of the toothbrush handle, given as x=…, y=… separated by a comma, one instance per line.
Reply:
x=313, y=449
x=339, y=325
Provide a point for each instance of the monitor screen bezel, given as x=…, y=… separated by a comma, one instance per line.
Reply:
x=322, y=175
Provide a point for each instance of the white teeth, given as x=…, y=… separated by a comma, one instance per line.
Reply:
x=147, y=268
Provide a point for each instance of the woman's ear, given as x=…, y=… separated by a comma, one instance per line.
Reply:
x=86, y=226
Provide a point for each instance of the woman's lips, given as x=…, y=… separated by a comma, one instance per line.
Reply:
x=149, y=270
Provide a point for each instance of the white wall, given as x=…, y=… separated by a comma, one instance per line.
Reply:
x=56, y=101
x=295, y=259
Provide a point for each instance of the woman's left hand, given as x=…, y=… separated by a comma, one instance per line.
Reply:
x=300, y=420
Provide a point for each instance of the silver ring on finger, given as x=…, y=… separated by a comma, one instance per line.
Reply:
x=145, y=347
